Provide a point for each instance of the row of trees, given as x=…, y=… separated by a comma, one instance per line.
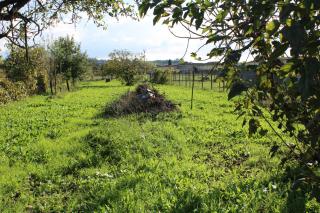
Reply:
x=46, y=67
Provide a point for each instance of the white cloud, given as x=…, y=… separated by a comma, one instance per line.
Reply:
x=124, y=33
x=129, y=34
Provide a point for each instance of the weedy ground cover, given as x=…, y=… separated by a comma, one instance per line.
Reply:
x=59, y=154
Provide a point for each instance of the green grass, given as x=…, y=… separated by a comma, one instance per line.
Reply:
x=59, y=155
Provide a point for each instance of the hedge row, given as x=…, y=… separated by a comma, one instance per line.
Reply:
x=10, y=91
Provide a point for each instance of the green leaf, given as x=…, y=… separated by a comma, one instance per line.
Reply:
x=143, y=8
x=156, y=19
x=199, y=20
x=308, y=82
x=177, y=12
x=221, y=15
x=206, y=29
x=216, y=52
x=166, y=21
x=236, y=89
x=272, y=27
x=287, y=67
x=232, y=57
x=296, y=36
x=215, y=38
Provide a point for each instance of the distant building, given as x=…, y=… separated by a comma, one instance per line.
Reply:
x=248, y=69
x=201, y=67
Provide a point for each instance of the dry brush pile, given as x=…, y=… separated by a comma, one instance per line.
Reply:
x=143, y=100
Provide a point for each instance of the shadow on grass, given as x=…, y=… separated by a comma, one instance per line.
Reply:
x=301, y=191
x=99, y=86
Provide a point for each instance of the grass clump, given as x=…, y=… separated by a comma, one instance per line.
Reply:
x=57, y=155
x=143, y=100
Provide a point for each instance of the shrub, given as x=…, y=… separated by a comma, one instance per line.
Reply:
x=32, y=72
x=10, y=91
x=126, y=66
x=160, y=76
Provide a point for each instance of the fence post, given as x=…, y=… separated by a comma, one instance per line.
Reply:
x=202, y=79
x=193, y=71
x=211, y=80
x=185, y=79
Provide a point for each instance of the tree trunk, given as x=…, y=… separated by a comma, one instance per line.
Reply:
x=68, y=87
x=55, y=82
x=51, y=86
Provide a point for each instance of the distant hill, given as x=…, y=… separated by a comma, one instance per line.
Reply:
x=165, y=62
x=97, y=61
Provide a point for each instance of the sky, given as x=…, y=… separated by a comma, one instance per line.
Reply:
x=129, y=34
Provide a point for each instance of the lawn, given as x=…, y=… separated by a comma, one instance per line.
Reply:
x=59, y=154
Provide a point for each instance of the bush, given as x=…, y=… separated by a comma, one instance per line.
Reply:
x=160, y=76
x=10, y=91
x=126, y=66
x=33, y=72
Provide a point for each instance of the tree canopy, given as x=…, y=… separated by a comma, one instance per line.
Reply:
x=21, y=20
x=125, y=65
x=268, y=31
x=69, y=60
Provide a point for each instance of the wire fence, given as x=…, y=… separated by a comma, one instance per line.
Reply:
x=202, y=80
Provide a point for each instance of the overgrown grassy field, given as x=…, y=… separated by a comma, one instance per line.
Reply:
x=60, y=155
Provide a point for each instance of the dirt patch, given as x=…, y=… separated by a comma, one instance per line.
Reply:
x=143, y=100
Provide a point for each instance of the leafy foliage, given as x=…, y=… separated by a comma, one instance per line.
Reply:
x=125, y=65
x=161, y=76
x=68, y=58
x=268, y=30
x=10, y=91
x=21, y=20
x=33, y=71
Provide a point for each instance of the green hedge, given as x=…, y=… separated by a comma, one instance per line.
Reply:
x=10, y=91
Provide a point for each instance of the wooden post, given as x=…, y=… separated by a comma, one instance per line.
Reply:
x=68, y=87
x=179, y=77
x=172, y=81
x=192, y=90
x=211, y=80
x=185, y=79
x=202, y=79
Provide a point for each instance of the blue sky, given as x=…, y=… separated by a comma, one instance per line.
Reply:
x=129, y=34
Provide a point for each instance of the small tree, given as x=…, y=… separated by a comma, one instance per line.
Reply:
x=162, y=76
x=69, y=60
x=125, y=65
x=32, y=70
